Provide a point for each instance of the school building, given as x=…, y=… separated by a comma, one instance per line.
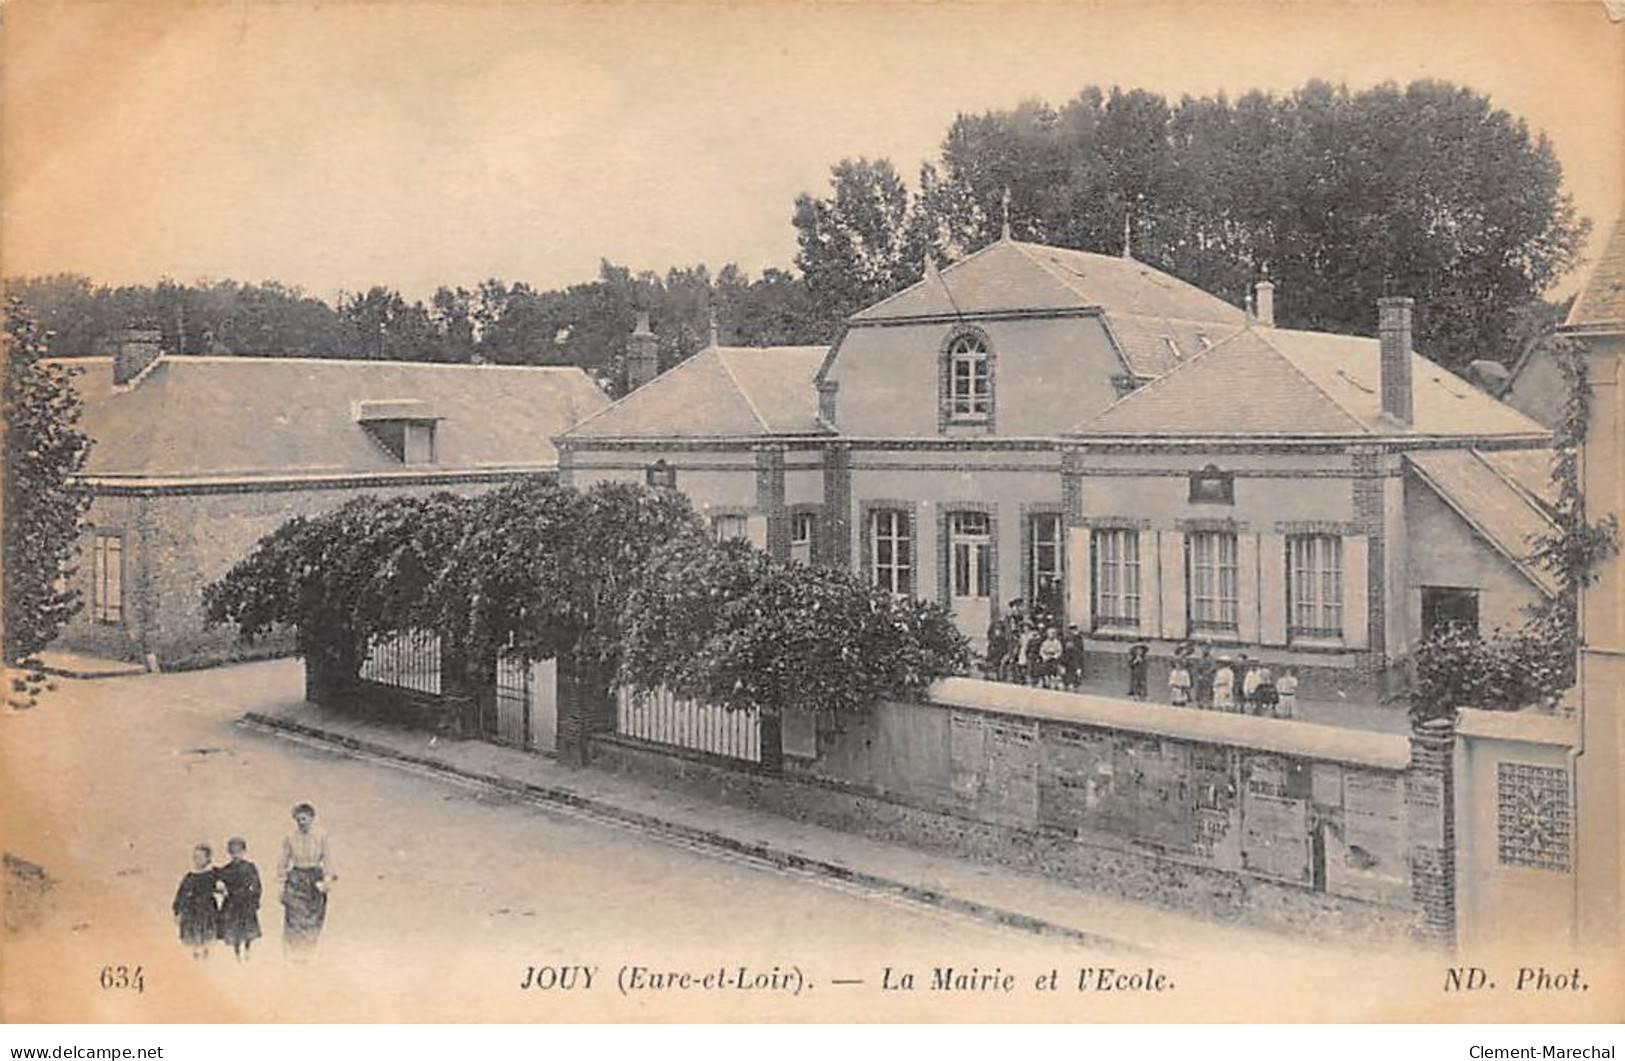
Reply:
x=1146, y=459
x=196, y=458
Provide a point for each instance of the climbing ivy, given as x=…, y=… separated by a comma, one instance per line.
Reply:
x=728, y=625
x=1534, y=664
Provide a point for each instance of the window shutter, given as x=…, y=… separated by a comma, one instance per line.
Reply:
x=1150, y=598
x=756, y=531
x=1247, y=587
x=1080, y=604
x=1356, y=551
x=1173, y=583
x=929, y=571
x=1272, y=588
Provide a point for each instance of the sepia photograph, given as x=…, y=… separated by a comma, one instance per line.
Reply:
x=816, y=513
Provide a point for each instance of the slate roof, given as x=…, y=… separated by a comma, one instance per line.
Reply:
x=1492, y=504
x=1010, y=275
x=214, y=417
x=720, y=392
x=1530, y=470
x=1602, y=301
x=1281, y=382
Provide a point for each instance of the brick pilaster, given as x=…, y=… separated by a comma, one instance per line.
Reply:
x=1430, y=806
x=566, y=461
x=770, y=499
x=1072, y=486
x=1369, y=518
x=836, y=550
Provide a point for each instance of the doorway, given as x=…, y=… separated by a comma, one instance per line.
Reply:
x=970, y=573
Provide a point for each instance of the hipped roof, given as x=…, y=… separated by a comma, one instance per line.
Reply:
x=191, y=417
x=1264, y=382
x=720, y=392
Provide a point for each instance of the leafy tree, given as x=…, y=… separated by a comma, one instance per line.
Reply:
x=867, y=240
x=342, y=578
x=728, y=625
x=44, y=450
x=1337, y=196
x=543, y=571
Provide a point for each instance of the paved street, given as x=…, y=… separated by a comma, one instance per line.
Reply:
x=446, y=895
x=449, y=895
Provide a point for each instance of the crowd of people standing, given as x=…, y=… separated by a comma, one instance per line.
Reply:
x=1032, y=648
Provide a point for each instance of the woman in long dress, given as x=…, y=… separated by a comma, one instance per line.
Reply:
x=306, y=872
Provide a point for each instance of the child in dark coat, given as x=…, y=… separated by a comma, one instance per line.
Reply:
x=1139, y=662
x=195, y=912
x=240, y=912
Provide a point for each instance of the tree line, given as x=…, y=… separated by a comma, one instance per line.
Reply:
x=1337, y=196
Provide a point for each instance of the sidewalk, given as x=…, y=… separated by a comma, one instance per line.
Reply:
x=1018, y=900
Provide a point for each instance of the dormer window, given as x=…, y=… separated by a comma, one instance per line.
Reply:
x=967, y=371
x=404, y=428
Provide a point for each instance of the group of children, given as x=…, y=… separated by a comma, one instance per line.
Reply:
x=219, y=902
x=1242, y=686
x=223, y=902
x=1032, y=650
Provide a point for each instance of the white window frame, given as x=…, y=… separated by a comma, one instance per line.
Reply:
x=1314, y=565
x=107, y=579
x=803, y=529
x=730, y=527
x=891, y=528
x=970, y=378
x=1036, y=543
x=1117, y=582
x=1214, y=569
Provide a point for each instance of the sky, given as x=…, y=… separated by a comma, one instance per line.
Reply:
x=339, y=145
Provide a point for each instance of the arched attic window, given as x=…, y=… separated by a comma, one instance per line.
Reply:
x=967, y=378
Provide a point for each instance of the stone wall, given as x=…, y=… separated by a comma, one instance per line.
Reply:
x=176, y=541
x=1283, y=824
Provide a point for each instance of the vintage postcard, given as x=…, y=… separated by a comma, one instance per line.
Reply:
x=802, y=512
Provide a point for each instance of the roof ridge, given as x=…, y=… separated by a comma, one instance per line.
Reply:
x=1525, y=564
x=1078, y=427
x=618, y=402
x=1524, y=494
x=1119, y=262
x=733, y=378
x=1049, y=270
x=950, y=267
x=1322, y=391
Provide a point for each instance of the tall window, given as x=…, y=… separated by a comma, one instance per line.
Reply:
x=802, y=525
x=1044, y=561
x=1212, y=568
x=1117, y=578
x=729, y=528
x=892, y=549
x=107, y=579
x=1315, y=585
x=970, y=386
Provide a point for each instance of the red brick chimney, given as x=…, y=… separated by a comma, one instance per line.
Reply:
x=136, y=349
x=1394, y=329
x=642, y=354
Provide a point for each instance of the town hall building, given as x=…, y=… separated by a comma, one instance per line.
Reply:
x=1093, y=437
